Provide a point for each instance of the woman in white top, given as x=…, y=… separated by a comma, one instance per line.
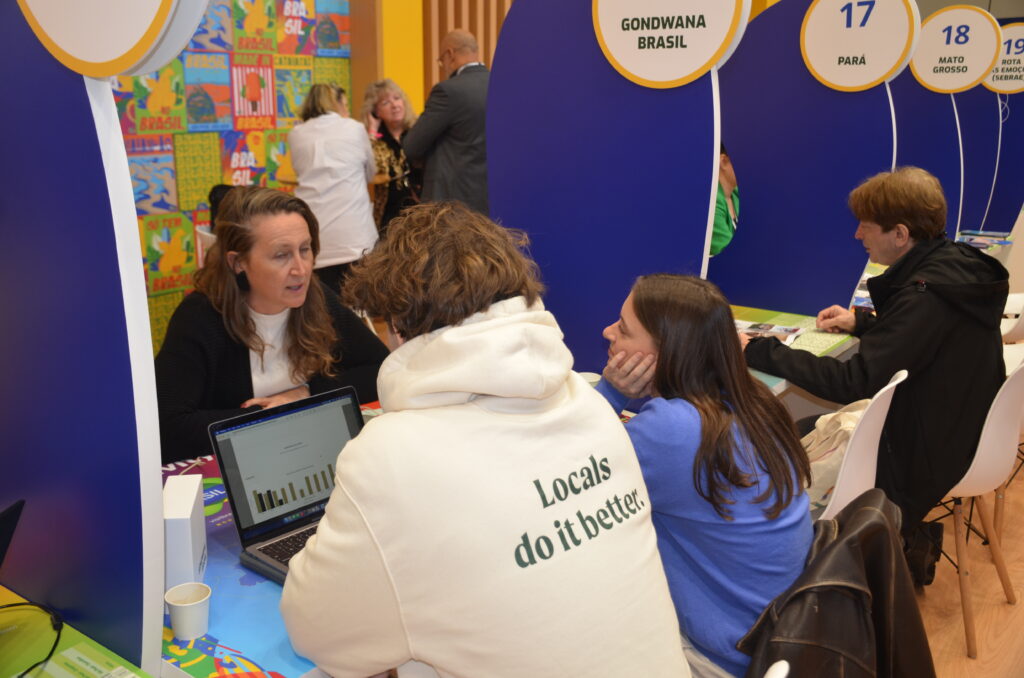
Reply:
x=259, y=330
x=334, y=162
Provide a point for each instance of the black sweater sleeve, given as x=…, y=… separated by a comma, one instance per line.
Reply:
x=907, y=337
x=358, y=353
x=864, y=320
x=201, y=377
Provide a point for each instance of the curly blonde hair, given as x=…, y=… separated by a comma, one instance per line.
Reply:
x=375, y=90
x=439, y=264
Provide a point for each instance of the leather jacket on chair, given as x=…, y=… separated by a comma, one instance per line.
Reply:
x=852, y=612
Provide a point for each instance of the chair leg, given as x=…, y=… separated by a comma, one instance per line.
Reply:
x=964, y=574
x=999, y=511
x=997, y=551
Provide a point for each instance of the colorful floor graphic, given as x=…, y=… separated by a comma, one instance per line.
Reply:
x=247, y=636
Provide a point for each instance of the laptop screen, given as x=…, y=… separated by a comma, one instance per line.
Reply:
x=278, y=464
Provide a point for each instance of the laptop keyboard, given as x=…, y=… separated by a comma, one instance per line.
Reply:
x=282, y=550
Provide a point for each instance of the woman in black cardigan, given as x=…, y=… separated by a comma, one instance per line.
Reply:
x=259, y=330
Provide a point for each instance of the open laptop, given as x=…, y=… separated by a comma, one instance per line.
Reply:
x=278, y=469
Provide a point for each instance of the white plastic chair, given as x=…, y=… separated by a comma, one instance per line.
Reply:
x=992, y=465
x=1013, y=356
x=779, y=669
x=1014, y=304
x=860, y=461
x=1012, y=329
x=415, y=669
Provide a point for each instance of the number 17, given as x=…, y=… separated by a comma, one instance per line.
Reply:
x=848, y=9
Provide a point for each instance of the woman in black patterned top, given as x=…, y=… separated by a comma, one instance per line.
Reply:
x=388, y=116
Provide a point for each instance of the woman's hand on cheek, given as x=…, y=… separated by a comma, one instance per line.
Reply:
x=631, y=376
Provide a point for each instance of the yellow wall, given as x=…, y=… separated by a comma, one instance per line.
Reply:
x=402, y=38
x=758, y=6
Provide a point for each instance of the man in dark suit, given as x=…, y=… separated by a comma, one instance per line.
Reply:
x=450, y=135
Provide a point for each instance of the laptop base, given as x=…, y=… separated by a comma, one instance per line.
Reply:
x=261, y=567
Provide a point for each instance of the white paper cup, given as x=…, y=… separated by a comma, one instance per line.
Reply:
x=189, y=605
x=591, y=377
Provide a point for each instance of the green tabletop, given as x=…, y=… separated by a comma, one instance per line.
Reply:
x=819, y=343
x=26, y=635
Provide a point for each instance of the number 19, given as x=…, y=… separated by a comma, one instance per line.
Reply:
x=1018, y=46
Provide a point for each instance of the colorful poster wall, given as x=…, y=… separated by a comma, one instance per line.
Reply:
x=220, y=112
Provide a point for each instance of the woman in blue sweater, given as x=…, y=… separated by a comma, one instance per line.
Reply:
x=724, y=468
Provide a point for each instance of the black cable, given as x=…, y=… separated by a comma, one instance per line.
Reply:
x=55, y=621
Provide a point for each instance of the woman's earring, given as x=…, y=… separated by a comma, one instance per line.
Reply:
x=242, y=280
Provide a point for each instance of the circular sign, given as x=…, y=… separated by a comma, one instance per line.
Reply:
x=853, y=45
x=103, y=38
x=98, y=38
x=959, y=46
x=666, y=43
x=1007, y=76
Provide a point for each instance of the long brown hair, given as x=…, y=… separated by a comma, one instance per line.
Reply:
x=309, y=334
x=440, y=263
x=908, y=195
x=700, y=360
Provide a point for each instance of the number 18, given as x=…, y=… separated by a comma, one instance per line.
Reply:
x=961, y=34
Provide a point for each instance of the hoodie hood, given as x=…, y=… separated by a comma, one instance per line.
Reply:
x=966, y=278
x=508, y=351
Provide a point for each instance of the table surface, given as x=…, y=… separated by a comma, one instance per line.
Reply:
x=76, y=655
x=247, y=634
x=841, y=343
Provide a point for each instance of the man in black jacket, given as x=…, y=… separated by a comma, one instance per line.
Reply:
x=450, y=136
x=937, y=313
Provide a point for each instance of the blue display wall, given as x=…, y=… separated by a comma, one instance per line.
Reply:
x=610, y=179
x=928, y=136
x=798, y=148
x=1008, y=187
x=1009, y=184
x=978, y=110
x=70, y=445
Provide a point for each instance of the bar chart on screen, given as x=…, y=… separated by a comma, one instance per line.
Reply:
x=313, y=484
x=286, y=462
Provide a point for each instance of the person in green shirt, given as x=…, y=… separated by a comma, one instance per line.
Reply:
x=727, y=210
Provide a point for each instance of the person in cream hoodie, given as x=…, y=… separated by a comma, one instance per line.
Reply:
x=493, y=521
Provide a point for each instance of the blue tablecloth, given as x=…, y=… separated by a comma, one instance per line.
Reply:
x=246, y=633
